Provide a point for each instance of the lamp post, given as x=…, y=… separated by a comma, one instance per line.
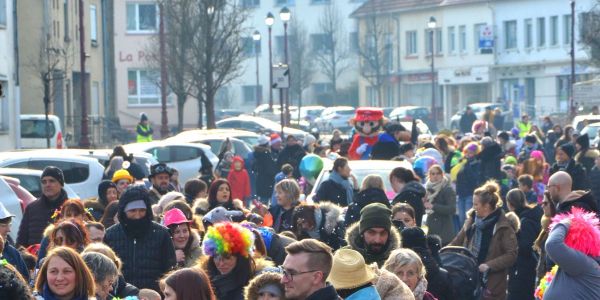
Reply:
x=256, y=38
x=269, y=20
x=164, y=121
x=431, y=25
x=84, y=141
x=573, y=111
x=285, y=16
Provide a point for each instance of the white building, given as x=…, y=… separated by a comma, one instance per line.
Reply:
x=9, y=107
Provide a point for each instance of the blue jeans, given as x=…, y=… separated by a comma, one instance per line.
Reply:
x=464, y=203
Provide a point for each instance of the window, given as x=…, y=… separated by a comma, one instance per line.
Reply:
x=541, y=32
x=36, y=129
x=462, y=38
x=411, y=43
x=250, y=46
x=181, y=153
x=251, y=92
x=320, y=1
x=553, y=30
x=372, y=96
x=437, y=35
x=284, y=2
x=95, y=107
x=93, y=26
x=74, y=172
x=510, y=34
x=143, y=87
x=388, y=52
x=477, y=28
x=162, y=154
x=65, y=20
x=451, y=40
x=321, y=42
x=528, y=33
x=567, y=29
x=428, y=38
x=250, y=3
x=438, y=41
x=354, y=42
x=3, y=13
x=4, y=113
x=142, y=17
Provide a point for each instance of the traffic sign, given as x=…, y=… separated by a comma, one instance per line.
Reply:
x=281, y=78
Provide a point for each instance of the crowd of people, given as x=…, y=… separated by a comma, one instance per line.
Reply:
x=483, y=214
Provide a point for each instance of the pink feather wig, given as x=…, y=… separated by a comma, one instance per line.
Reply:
x=584, y=231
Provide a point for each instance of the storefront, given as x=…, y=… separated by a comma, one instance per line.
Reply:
x=462, y=86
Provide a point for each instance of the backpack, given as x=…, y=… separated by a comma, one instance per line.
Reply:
x=463, y=272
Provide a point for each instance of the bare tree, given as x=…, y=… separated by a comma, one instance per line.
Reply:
x=590, y=33
x=181, y=23
x=332, y=56
x=217, y=52
x=301, y=61
x=373, y=48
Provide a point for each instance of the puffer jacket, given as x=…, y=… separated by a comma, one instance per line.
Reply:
x=386, y=147
x=587, y=159
x=468, y=177
x=362, y=199
x=37, y=217
x=413, y=193
x=490, y=162
x=356, y=242
x=264, y=169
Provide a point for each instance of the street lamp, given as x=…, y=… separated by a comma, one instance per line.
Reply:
x=573, y=109
x=256, y=38
x=269, y=20
x=285, y=16
x=431, y=25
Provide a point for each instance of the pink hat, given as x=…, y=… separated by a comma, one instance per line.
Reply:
x=174, y=216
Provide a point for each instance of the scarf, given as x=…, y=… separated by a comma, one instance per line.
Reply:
x=480, y=226
x=433, y=189
x=335, y=177
x=225, y=284
x=420, y=289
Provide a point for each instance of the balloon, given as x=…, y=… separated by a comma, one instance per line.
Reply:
x=432, y=152
x=422, y=164
x=310, y=167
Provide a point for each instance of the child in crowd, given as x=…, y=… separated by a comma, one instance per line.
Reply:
x=239, y=180
x=526, y=186
x=148, y=294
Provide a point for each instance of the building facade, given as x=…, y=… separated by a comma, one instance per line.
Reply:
x=9, y=107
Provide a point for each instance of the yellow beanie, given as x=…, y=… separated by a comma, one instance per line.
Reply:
x=122, y=174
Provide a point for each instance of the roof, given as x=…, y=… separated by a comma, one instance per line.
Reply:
x=390, y=6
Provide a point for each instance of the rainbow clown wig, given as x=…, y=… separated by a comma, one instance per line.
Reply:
x=228, y=239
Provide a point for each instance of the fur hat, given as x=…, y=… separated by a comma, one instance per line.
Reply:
x=55, y=173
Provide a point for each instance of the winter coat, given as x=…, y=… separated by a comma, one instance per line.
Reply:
x=239, y=181
x=331, y=228
x=501, y=254
x=194, y=252
x=326, y=293
x=466, y=122
x=578, y=275
x=37, y=217
x=362, y=199
x=587, y=159
x=369, y=292
x=595, y=183
x=251, y=290
x=413, y=194
x=389, y=286
x=265, y=169
x=441, y=221
x=577, y=172
x=332, y=191
x=386, y=147
x=226, y=286
x=13, y=257
x=123, y=289
x=291, y=155
x=581, y=199
x=521, y=279
x=490, y=162
x=468, y=178
x=282, y=219
x=438, y=279
x=356, y=242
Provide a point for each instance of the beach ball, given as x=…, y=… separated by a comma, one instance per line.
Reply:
x=422, y=164
x=310, y=167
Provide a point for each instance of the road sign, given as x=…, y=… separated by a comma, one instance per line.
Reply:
x=281, y=78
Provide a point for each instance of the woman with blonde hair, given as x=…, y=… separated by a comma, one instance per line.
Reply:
x=371, y=191
x=407, y=265
x=440, y=204
x=287, y=193
x=490, y=236
x=64, y=275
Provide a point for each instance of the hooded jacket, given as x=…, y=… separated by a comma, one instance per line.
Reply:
x=582, y=199
x=587, y=158
x=251, y=290
x=362, y=199
x=291, y=155
x=98, y=205
x=386, y=147
x=356, y=242
x=145, y=247
x=331, y=226
x=413, y=193
x=265, y=169
x=239, y=180
x=37, y=217
x=490, y=157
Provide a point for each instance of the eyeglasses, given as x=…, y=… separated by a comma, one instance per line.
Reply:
x=290, y=275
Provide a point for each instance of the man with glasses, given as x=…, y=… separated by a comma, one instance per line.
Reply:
x=160, y=177
x=564, y=198
x=305, y=271
x=12, y=255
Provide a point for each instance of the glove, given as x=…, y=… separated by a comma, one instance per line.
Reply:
x=362, y=148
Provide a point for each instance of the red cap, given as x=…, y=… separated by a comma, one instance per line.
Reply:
x=368, y=114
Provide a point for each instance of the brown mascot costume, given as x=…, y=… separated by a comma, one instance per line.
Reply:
x=367, y=122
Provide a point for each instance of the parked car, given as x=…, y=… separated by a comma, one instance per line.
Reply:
x=14, y=198
x=310, y=113
x=193, y=136
x=387, y=111
x=33, y=132
x=145, y=160
x=83, y=174
x=185, y=157
x=30, y=180
x=258, y=125
x=221, y=114
x=479, y=110
x=337, y=117
x=422, y=128
x=580, y=121
x=273, y=113
x=239, y=147
x=592, y=132
x=409, y=113
x=360, y=169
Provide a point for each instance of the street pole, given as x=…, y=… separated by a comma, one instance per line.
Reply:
x=432, y=24
x=84, y=141
x=256, y=38
x=269, y=21
x=164, y=121
x=573, y=111
x=285, y=16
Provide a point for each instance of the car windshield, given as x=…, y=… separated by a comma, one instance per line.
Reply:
x=36, y=129
x=592, y=131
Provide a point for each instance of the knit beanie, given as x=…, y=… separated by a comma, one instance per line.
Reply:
x=530, y=138
x=375, y=215
x=143, y=117
x=569, y=149
x=55, y=173
x=413, y=237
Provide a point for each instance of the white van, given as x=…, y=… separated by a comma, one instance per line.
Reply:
x=33, y=132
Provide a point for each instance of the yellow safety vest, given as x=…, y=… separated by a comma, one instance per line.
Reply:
x=141, y=138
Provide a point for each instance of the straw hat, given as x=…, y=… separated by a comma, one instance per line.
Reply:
x=349, y=270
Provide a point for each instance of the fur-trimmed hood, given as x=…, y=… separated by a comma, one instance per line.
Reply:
x=333, y=214
x=355, y=242
x=514, y=221
x=251, y=290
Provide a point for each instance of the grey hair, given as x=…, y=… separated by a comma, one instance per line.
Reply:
x=100, y=265
x=403, y=257
x=290, y=188
x=372, y=181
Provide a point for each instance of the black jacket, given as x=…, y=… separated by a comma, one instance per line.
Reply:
x=490, y=162
x=362, y=199
x=326, y=293
x=581, y=199
x=466, y=122
x=595, y=183
x=36, y=218
x=438, y=279
x=264, y=169
x=291, y=155
x=332, y=191
x=521, y=282
x=282, y=219
x=413, y=193
x=123, y=289
x=276, y=247
x=468, y=178
x=386, y=147
x=577, y=172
